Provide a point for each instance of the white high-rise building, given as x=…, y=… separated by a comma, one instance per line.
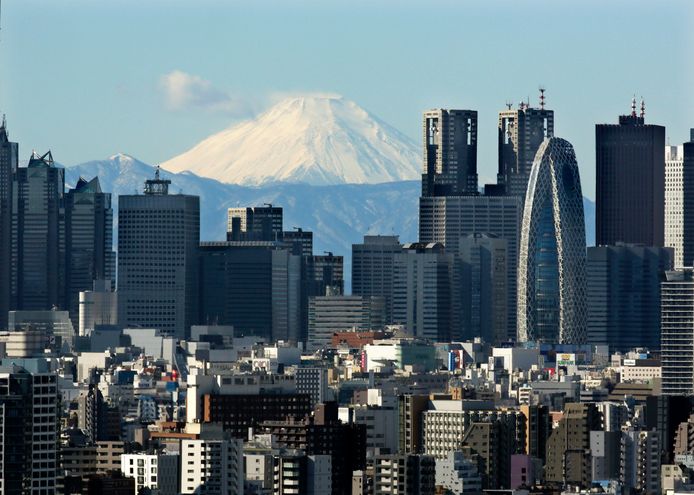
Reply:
x=152, y=471
x=552, y=260
x=674, y=200
x=215, y=463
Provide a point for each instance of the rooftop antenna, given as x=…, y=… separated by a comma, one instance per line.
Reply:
x=633, y=106
x=509, y=104
x=643, y=108
x=542, y=97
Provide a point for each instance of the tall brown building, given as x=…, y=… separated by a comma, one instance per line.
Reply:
x=568, y=447
x=630, y=181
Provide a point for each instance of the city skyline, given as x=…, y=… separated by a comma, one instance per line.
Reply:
x=153, y=97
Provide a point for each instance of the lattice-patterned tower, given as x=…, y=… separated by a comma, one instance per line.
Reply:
x=551, y=267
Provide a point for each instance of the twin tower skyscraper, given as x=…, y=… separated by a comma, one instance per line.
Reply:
x=536, y=206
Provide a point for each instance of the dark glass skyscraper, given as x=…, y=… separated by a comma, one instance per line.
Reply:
x=521, y=132
x=623, y=295
x=450, y=153
x=9, y=152
x=38, y=235
x=630, y=182
x=88, y=238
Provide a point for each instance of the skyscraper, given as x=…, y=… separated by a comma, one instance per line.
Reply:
x=422, y=291
x=372, y=268
x=679, y=201
x=254, y=286
x=623, y=295
x=521, y=132
x=330, y=314
x=450, y=153
x=158, y=237
x=88, y=241
x=448, y=219
x=259, y=223
x=38, y=235
x=9, y=153
x=677, y=332
x=630, y=181
x=482, y=278
x=28, y=420
x=551, y=267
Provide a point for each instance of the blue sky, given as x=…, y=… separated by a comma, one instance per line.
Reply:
x=90, y=78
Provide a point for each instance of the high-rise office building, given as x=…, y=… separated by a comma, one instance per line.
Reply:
x=677, y=332
x=551, y=266
x=9, y=158
x=254, y=286
x=674, y=201
x=450, y=153
x=38, y=235
x=630, y=181
x=158, y=238
x=372, y=268
x=623, y=295
x=259, y=223
x=448, y=219
x=423, y=291
x=679, y=201
x=330, y=314
x=521, y=132
x=481, y=274
x=321, y=275
x=28, y=422
x=88, y=241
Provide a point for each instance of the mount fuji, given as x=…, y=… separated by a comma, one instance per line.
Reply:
x=316, y=140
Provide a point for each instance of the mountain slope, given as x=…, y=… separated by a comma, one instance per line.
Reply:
x=318, y=140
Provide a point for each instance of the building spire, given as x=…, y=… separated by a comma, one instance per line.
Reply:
x=542, y=98
x=643, y=108
x=633, y=106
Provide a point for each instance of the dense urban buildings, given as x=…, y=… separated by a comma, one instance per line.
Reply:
x=494, y=354
x=551, y=267
x=630, y=181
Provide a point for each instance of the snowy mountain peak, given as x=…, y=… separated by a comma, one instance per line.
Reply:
x=316, y=139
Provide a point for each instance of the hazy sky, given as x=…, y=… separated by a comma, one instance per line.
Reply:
x=89, y=78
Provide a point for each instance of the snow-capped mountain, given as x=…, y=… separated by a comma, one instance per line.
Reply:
x=318, y=140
